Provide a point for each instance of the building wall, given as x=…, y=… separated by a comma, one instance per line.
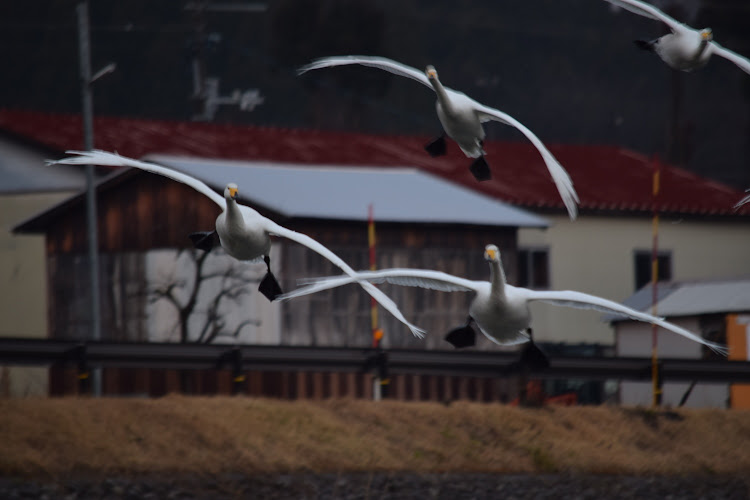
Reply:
x=634, y=339
x=23, y=289
x=595, y=254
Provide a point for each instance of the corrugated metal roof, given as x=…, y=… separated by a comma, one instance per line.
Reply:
x=693, y=298
x=607, y=178
x=24, y=171
x=344, y=193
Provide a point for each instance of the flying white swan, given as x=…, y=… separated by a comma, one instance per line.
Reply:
x=461, y=118
x=501, y=311
x=243, y=232
x=685, y=48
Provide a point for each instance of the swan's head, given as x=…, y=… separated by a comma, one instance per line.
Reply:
x=707, y=35
x=491, y=253
x=431, y=72
x=230, y=192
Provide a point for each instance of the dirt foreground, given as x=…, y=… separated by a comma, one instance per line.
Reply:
x=70, y=437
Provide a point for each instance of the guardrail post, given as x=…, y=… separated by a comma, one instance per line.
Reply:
x=234, y=358
x=378, y=359
x=77, y=355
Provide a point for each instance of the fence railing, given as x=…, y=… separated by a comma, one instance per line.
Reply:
x=239, y=358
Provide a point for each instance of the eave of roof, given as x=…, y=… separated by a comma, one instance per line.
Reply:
x=608, y=179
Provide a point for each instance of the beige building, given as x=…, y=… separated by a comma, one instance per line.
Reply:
x=601, y=255
x=27, y=186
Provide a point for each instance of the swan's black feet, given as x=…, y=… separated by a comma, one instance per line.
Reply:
x=645, y=45
x=269, y=286
x=436, y=147
x=464, y=336
x=480, y=169
x=203, y=240
x=532, y=357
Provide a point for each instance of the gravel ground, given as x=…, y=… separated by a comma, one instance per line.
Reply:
x=389, y=486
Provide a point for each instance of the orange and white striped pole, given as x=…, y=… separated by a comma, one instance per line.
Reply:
x=378, y=382
x=655, y=382
x=377, y=333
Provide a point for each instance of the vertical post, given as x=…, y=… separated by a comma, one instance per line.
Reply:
x=378, y=382
x=655, y=372
x=84, y=47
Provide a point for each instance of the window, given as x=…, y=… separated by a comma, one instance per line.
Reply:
x=533, y=268
x=643, y=267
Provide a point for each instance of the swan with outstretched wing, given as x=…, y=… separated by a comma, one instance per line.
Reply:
x=501, y=311
x=242, y=232
x=685, y=48
x=462, y=118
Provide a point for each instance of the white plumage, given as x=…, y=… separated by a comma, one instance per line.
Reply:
x=243, y=232
x=462, y=118
x=685, y=48
x=501, y=311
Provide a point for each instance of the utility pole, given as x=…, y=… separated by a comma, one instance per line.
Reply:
x=84, y=54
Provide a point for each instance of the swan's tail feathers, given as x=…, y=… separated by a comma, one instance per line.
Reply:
x=563, y=183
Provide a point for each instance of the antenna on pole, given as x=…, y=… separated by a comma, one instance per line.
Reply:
x=206, y=94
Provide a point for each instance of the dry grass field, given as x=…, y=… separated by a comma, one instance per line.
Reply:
x=214, y=435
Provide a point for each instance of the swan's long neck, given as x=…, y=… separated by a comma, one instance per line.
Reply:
x=701, y=48
x=497, y=279
x=234, y=215
x=442, y=96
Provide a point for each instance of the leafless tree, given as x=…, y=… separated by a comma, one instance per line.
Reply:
x=233, y=287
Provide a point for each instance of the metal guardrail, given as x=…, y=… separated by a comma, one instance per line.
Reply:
x=84, y=355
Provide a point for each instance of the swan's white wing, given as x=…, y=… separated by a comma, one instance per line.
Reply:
x=104, y=158
x=383, y=299
x=647, y=10
x=558, y=173
x=434, y=280
x=580, y=300
x=743, y=201
x=375, y=62
x=737, y=59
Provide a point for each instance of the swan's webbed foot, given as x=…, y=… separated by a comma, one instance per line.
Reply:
x=268, y=285
x=436, y=147
x=645, y=44
x=203, y=240
x=463, y=336
x=480, y=169
x=532, y=357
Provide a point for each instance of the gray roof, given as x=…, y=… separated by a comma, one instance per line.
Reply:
x=693, y=298
x=23, y=170
x=344, y=193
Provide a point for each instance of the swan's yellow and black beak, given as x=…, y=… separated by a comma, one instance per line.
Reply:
x=491, y=253
x=707, y=34
x=233, y=190
x=431, y=72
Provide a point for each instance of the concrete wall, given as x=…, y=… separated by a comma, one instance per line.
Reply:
x=595, y=254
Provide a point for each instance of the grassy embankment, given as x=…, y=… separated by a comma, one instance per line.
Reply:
x=186, y=435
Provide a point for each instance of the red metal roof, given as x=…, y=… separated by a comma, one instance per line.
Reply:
x=607, y=178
